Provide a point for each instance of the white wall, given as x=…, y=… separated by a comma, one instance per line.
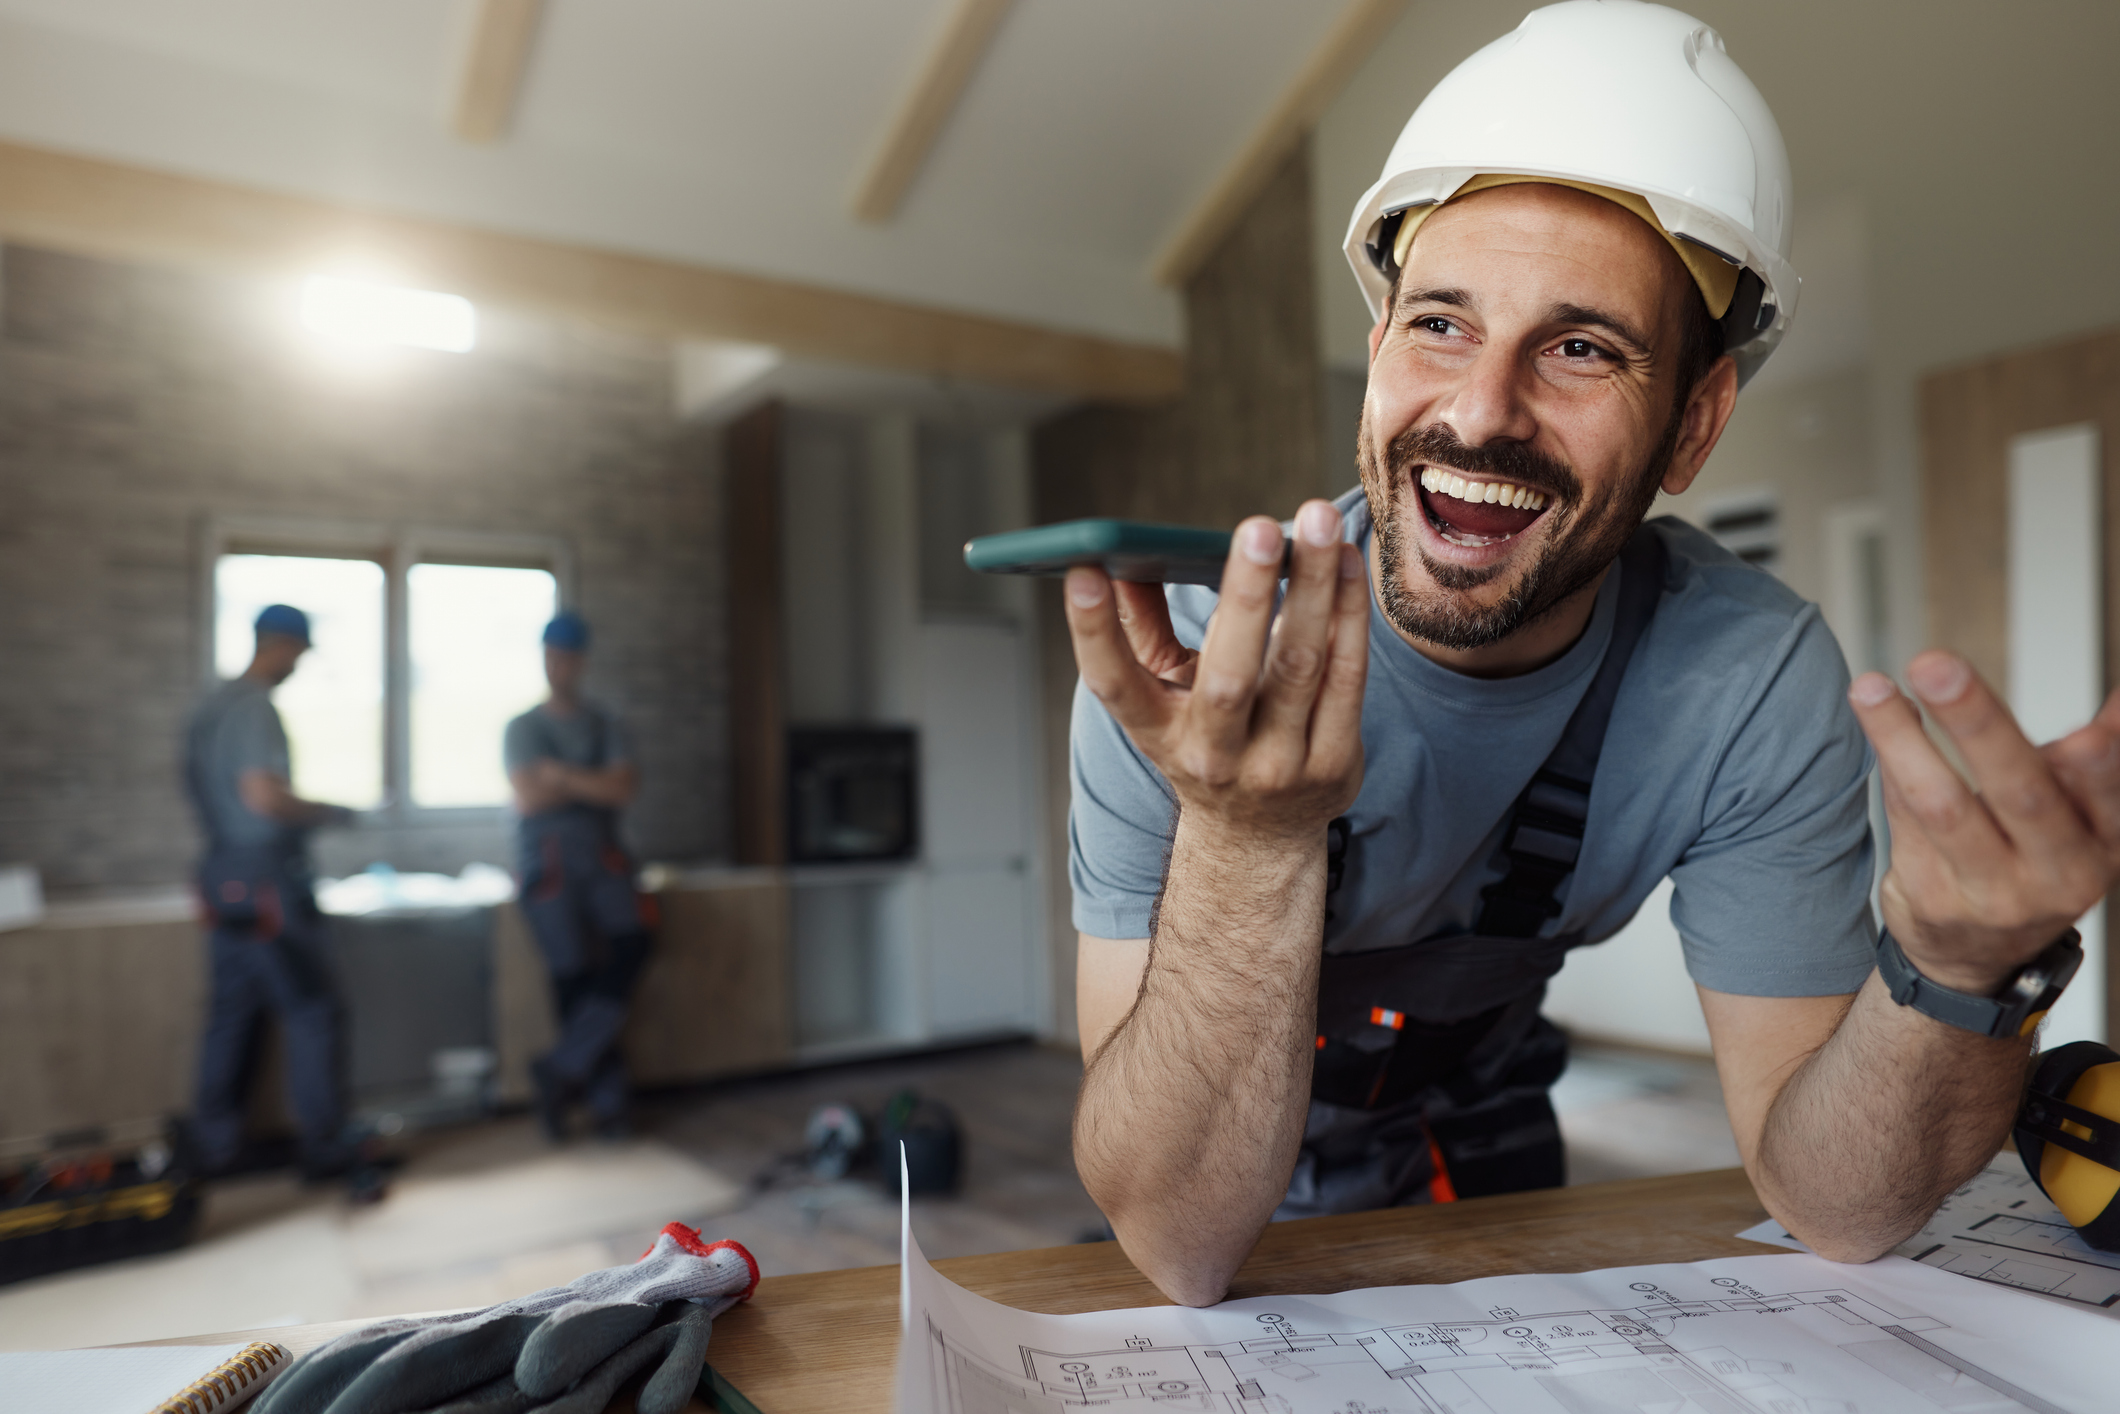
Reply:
x=2057, y=640
x=885, y=626
x=1633, y=986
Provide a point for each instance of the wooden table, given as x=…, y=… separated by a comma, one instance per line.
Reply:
x=814, y=1344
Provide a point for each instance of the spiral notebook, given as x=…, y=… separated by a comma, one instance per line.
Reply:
x=140, y=1379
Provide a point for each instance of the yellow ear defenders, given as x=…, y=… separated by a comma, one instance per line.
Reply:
x=2068, y=1135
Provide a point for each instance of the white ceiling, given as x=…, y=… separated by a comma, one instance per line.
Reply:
x=728, y=132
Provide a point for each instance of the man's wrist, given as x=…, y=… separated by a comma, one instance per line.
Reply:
x=2008, y=1007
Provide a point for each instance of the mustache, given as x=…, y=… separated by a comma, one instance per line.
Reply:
x=1437, y=444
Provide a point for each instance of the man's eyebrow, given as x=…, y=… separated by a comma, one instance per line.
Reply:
x=1456, y=299
x=1600, y=319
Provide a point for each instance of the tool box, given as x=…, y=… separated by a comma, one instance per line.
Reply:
x=94, y=1195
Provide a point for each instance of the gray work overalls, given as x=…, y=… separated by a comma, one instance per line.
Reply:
x=592, y=925
x=1433, y=1064
x=270, y=954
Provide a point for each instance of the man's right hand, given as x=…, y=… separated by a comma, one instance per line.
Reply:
x=1260, y=731
x=1193, y=1102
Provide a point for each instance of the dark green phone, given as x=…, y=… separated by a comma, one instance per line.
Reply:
x=1124, y=549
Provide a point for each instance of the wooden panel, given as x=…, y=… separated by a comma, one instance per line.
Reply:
x=758, y=760
x=715, y=997
x=1331, y=65
x=523, y=1024
x=1968, y=416
x=826, y=1342
x=492, y=77
x=927, y=105
x=131, y=213
x=98, y=1024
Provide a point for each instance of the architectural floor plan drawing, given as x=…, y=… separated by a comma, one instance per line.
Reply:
x=2000, y=1228
x=1743, y=1335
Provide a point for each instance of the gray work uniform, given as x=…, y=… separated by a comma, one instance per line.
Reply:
x=578, y=896
x=267, y=944
x=1732, y=764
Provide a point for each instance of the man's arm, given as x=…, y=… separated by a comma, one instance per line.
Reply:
x=271, y=795
x=546, y=784
x=1856, y=1116
x=1194, y=1096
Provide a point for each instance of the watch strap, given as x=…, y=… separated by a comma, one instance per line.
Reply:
x=2018, y=1005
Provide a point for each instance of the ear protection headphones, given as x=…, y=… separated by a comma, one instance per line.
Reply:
x=2068, y=1135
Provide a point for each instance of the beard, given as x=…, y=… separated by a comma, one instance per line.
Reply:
x=1586, y=537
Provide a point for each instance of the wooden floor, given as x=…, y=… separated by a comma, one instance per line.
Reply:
x=1015, y=1104
x=481, y=1213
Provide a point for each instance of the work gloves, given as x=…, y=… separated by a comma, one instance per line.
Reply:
x=563, y=1350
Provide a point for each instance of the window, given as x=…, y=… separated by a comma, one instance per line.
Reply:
x=421, y=654
x=333, y=705
x=476, y=662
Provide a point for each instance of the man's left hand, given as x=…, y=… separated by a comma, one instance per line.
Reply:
x=1985, y=876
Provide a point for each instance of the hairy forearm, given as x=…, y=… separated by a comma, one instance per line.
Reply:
x=1878, y=1125
x=1192, y=1111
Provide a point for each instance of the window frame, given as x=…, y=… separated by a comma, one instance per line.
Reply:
x=397, y=548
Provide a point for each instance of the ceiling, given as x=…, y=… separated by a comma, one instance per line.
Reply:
x=723, y=132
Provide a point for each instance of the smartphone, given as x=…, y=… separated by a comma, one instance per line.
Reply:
x=1124, y=549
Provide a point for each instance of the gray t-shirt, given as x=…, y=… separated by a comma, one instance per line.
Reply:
x=591, y=739
x=234, y=729
x=1733, y=764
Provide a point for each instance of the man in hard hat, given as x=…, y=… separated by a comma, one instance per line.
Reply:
x=266, y=943
x=1325, y=859
x=571, y=766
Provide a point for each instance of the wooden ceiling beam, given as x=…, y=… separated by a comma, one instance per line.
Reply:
x=490, y=82
x=926, y=108
x=123, y=212
x=1356, y=35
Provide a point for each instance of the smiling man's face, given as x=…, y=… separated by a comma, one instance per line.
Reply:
x=1524, y=407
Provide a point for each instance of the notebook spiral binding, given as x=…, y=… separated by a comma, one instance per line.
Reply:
x=235, y=1380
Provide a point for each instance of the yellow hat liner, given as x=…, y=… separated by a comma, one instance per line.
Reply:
x=1716, y=277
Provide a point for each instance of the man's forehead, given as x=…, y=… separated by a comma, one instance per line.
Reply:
x=1575, y=246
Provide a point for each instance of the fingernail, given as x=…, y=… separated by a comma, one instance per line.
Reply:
x=1350, y=563
x=1084, y=590
x=1870, y=689
x=1940, y=677
x=1260, y=540
x=1318, y=523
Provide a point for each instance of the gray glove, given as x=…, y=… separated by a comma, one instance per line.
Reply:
x=559, y=1372
x=537, y=1351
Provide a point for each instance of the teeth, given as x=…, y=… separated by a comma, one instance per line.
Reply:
x=1503, y=493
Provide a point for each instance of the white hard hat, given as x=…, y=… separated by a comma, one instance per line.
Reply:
x=1611, y=93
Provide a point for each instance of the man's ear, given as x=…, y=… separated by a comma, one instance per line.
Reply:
x=1707, y=413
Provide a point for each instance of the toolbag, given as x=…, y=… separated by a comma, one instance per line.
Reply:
x=94, y=1195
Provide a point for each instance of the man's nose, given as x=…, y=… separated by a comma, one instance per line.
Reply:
x=1491, y=401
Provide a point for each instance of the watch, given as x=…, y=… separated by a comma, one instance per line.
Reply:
x=2015, y=1009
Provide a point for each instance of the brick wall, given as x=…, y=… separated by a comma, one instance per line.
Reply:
x=137, y=402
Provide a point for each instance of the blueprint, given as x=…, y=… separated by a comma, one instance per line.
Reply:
x=1742, y=1335
x=2000, y=1228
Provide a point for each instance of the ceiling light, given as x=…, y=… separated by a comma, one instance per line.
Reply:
x=356, y=312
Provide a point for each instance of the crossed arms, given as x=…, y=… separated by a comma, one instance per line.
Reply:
x=547, y=784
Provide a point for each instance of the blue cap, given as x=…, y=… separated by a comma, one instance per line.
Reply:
x=284, y=618
x=568, y=630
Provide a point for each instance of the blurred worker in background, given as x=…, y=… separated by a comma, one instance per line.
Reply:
x=268, y=947
x=571, y=768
